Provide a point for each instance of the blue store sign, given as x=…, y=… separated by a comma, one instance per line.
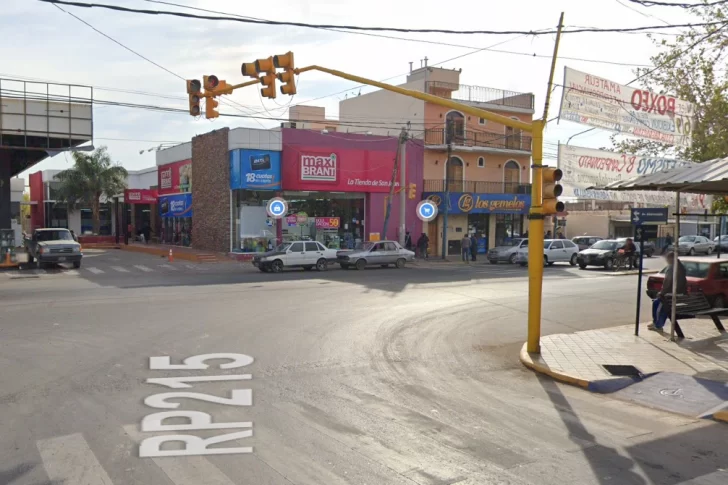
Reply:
x=178, y=205
x=472, y=203
x=255, y=169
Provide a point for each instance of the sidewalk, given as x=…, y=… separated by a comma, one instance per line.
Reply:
x=687, y=377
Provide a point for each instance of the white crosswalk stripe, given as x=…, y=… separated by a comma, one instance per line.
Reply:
x=70, y=461
x=94, y=270
x=185, y=470
x=168, y=266
x=119, y=269
x=143, y=268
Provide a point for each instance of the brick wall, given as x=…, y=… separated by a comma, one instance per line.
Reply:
x=211, y=191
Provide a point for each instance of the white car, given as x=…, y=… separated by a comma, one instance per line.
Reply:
x=554, y=251
x=296, y=254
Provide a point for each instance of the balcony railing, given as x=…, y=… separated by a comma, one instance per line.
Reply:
x=477, y=187
x=483, y=139
x=480, y=94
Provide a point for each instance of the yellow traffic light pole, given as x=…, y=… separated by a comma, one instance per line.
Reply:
x=536, y=128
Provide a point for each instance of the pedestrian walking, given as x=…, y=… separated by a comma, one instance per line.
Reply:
x=668, y=243
x=473, y=246
x=465, y=248
x=422, y=244
x=408, y=241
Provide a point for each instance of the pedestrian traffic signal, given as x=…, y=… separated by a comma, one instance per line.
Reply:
x=551, y=190
x=193, y=92
x=412, y=191
x=211, y=108
x=285, y=62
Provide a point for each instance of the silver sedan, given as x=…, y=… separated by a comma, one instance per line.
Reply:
x=382, y=253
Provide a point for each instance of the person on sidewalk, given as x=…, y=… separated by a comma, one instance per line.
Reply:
x=422, y=244
x=668, y=243
x=146, y=233
x=465, y=248
x=660, y=313
x=473, y=247
x=408, y=240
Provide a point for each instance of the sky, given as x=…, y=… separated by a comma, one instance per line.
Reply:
x=42, y=42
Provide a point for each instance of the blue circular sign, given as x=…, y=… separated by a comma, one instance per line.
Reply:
x=426, y=210
x=277, y=208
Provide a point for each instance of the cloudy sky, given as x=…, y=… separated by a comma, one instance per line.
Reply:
x=41, y=42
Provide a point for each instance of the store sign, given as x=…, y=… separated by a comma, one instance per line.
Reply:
x=175, y=178
x=314, y=169
x=255, y=169
x=140, y=196
x=291, y=220
x=328, y=222
x=595, y=101
x=472, y=203
x=179, y=205
x=301, y=218
x=586, y=167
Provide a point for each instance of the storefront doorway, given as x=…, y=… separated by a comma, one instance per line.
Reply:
x=334, y=219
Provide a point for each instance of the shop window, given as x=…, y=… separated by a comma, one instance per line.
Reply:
x=481, y=162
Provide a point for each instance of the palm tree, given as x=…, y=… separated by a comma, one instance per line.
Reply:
x=92, y=176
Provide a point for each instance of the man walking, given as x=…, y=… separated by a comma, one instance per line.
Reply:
x=465, y=248
x=422, y=244
x=473, y=246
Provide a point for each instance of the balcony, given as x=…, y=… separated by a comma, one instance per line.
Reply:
x=477, y=187
x=480, y=94
x=480, y=139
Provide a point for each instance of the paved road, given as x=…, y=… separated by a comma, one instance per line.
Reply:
x=364, y=377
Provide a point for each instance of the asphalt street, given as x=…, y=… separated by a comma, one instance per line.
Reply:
x=380, y=376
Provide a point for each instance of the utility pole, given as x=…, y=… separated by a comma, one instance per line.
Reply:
x=446, y=196
x=388, y=209
x=402, y=185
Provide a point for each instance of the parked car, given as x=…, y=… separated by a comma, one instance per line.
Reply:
x=381, y=253
x=507, y=252
x=723, y=243
x=710, y=277
x=295, y=254
x=585, y=242
x=692, y=245
x=554, y=251
x=649, y=246
x=602, y=253
x=53, y=246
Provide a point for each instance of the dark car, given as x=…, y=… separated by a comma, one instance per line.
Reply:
x=602, y=253
x=585, y=242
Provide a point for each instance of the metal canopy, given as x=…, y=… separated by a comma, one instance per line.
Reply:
x=704, y=178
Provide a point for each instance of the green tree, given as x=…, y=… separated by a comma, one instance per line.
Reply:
x=691, y=66
x=93, y=175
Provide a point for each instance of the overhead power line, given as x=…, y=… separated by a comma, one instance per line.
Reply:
x=651, y=3
x=377, y=29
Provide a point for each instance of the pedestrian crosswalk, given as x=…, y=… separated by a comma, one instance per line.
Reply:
x=100, y=270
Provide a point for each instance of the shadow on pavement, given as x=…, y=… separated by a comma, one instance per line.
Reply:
x=671, y=460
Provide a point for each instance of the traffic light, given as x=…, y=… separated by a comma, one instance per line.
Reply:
x=269, y=80
x=412, y=191
x=248, y=69
x=285, y=62
x=211, y=108
x=193, y=92
x=551, y=190
x=210, y=82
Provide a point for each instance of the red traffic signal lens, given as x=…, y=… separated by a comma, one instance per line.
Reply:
x=212, y=81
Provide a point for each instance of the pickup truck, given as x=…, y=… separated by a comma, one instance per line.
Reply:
x=53, y=246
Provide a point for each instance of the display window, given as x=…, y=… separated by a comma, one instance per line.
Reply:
x=334, y=219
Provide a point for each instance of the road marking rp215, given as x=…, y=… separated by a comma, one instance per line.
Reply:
x=198, y=421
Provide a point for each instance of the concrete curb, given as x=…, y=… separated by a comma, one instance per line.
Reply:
x=632, y=272
x=534, y=363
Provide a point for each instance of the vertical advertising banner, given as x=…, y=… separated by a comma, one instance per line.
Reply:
x=255, y=169
x=587, y=167
x=595, y=101
x=175, y=178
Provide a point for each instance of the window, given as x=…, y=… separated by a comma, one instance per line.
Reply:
x=481, y=162
x=557, y=245
x=723, y=273
x=297, y=247
x=321, y=247
x=568, y=244
x=390, y=246
x=379, y=247
x=312, y=247
x=481, y=121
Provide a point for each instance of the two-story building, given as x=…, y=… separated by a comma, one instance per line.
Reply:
x=486, y=178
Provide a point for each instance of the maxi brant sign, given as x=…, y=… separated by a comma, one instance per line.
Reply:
x=641, y=217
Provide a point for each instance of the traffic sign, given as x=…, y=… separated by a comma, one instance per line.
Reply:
x=426, y=210
x=277, y=208
x=644, y=233
x=641, y=217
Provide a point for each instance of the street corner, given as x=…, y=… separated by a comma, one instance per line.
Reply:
x=721, y=416
x=632, y=272
x=538, y=364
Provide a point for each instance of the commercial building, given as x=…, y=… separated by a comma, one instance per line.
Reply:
x=486, y=178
